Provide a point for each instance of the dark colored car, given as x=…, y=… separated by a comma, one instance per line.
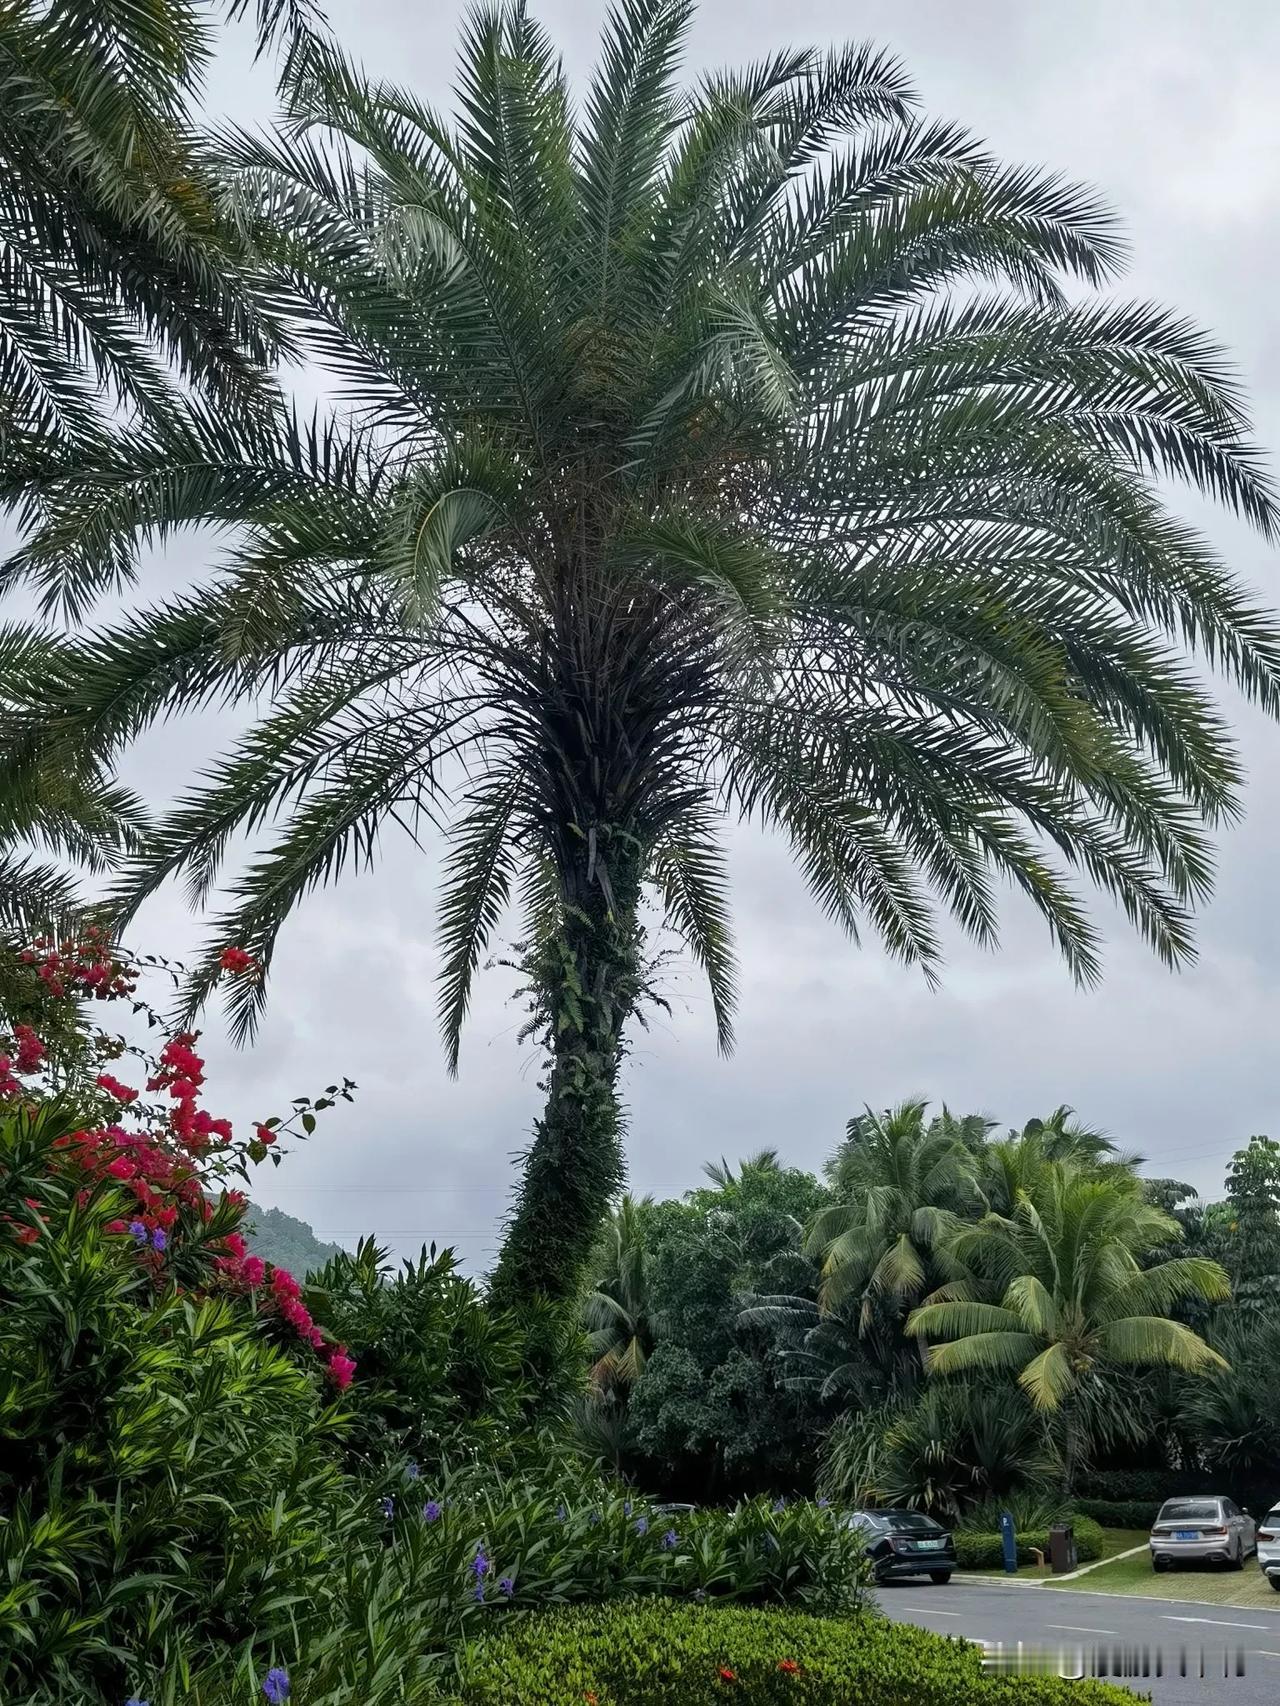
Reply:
x=905, y=1543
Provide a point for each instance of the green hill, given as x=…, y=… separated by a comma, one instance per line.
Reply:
x=277, y=1237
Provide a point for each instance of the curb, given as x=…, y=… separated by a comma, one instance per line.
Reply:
x=1142, y=1598
x=1045, y=1581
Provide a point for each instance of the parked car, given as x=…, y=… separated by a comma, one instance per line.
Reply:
x=1269, y=1547
x=1201, y=1531
x=905, y=1543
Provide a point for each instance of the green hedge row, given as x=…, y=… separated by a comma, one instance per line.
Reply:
x=1145, y=1486
x=646, y=1654
x=1120, y=1513
x=986, y=1551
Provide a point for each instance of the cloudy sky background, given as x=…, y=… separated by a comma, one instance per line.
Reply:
x=1169, y=107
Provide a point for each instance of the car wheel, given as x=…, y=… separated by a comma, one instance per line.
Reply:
x=940, y=1578
x=1275, y=1582
x=1237, y=1562
x=1159, y=1565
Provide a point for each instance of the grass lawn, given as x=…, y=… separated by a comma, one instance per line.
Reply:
x=1113, y=1540
x=1247, y=1588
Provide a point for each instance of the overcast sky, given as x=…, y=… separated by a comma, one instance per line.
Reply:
x=1170, y=108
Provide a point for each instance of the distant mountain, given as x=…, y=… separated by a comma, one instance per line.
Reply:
x=277, y=1237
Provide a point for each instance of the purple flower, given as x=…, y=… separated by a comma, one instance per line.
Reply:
x=138, y=1231
x=642, y=1525
x=507, y=1586
x=411, y=1470
x=779, y=1506
x=823, y=1503
x=431, y=1510
x=275, y=1685
x=159, y=1238
x=388, y=1507
x=480, y=1566
x=480, y=1593
x=669, y=1540
x=135, y=1702
x=626, y=1507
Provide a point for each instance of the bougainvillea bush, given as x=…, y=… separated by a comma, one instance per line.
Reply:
x=179, y=1519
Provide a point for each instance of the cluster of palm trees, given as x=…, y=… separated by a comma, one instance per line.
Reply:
x=975, y=1297
x=758, y=449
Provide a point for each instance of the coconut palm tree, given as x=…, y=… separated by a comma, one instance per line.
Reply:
x=1020, y=1165
x=900, y=1184
x=616, y=1311
x=1073, y=1301
x=758, y=449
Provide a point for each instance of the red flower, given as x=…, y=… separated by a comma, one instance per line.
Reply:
x=726, y=1675
x=114, y=1087
x=235, y=960
x=789, y=1667
x=341, y=1368
x=265, y=1134
x=30, y=1048
x=254, y=1271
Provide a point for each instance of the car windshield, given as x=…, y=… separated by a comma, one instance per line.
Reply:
x=1272, y=1519
x=909, y=1522
x=1189, y=1510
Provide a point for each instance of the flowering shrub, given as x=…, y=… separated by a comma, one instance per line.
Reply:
x=171, y=1157
x=643, y=1654
x=442, y=1374
x=168, y=1472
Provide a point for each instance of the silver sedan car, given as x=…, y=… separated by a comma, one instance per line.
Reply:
x=1269, y=1547
x=1202, y=1531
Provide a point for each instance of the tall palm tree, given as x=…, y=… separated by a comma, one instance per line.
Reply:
x=900, y=1183
x=756, y=449
x=616, y=1311
x=1074, y=1301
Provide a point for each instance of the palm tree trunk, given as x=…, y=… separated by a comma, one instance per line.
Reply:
x=1070, y=1447
x=588, y=976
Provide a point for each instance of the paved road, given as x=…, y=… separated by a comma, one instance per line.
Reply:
x=1076, y=1626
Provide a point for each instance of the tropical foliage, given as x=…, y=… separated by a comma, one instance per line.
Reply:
x=762, y=448
x=1046, y=1257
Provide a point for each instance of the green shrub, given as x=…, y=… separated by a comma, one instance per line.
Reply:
x=651, y=1655
x=1146, y=1486
x=1120, y=1513
x=982, y=1551
x=441, y=1374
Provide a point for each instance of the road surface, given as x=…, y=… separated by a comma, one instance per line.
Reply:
x=1073, y=1630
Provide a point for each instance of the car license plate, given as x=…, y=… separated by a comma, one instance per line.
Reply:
x=928, y=1545
x=1186, y=1534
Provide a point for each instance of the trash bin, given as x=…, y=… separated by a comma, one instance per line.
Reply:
x=1062, y=1548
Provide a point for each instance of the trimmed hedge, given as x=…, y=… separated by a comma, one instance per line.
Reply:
x=1120, y=1513
x=645, y=1654
x=1145, y=1486
x=976, y=1551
